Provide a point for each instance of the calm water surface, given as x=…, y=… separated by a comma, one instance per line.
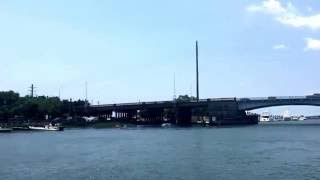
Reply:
x=268, y=151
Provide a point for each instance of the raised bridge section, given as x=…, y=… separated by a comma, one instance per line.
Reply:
x=263, y=102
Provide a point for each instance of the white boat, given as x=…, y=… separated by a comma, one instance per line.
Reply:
x=166, y=125
x=287, y=116
x=48, y=127
x=265, y=117
x=302, y=118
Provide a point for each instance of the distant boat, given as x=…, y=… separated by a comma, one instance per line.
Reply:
x=265, y=117
x=286, y=116
x=302, y=118
x=165, y=125
x=294, y=118
x=48, y=127
x=4, y=130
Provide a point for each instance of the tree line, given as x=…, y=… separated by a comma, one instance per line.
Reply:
x=12, y=105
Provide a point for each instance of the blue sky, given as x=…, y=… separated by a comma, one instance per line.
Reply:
x=130, y=50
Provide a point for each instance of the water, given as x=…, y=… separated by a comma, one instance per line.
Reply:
x=269, y=151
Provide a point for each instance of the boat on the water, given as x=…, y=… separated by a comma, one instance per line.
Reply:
x=166, y=125
x=4, y=130
x=302, y=118
x=265, y=117
x=49, y=127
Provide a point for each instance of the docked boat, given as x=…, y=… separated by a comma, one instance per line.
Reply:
x=166, y=125
x=302, y=118
x=49, y=127
x=287, y=116
x=4, y=130
x=265, y=117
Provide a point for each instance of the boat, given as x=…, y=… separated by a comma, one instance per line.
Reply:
x=166, y=125
x=49, y=127
x=302, y=118
x=294, y=118
x=286, y=116
x=4, y=130
x=265, y=117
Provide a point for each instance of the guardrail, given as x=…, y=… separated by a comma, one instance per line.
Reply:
x=271, y=98
x=204, y=100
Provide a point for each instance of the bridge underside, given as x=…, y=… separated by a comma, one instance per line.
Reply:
x=214, y=113
x=209, y=111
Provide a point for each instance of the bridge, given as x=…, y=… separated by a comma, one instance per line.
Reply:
x=263, y=102
x=217, y=110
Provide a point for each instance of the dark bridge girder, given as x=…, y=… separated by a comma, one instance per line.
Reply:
x=221, y=111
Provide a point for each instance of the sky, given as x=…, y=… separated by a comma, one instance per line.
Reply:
x=131, y=50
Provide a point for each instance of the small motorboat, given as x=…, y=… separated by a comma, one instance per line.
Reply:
x=166, y=125
x=4, y=130
x=49, y=127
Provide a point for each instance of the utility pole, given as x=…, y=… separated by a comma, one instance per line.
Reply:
x=86, y=90
x=197, y=70
x=175, y=100
x=59, y=92
x=32, y=90
x=86, y=100
x=174, y=87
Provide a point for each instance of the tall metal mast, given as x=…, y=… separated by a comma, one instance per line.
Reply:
x=86, y=100
x=174, y=87
x=32, y=90
x=197, y=70
x=86, y=90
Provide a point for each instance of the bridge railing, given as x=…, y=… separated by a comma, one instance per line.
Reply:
x=131, y=104
x=271, y=98
x=162, y=102
x=206, y=100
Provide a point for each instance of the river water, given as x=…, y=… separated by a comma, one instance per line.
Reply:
x=268, y=151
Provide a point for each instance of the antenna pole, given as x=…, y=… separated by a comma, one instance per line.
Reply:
x=174, y=87
x=86, y=90
x=86, y=100
x=197, y=70
x=32, y=90
x=59, y=92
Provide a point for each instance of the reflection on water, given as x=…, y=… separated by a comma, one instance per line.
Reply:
x=286, y=150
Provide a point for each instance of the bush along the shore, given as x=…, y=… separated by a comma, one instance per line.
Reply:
x=13, y=106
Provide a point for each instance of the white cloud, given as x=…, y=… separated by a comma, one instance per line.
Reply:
x=269, y=6
x=287, y=15
x=312, y=44
x=279, y=47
